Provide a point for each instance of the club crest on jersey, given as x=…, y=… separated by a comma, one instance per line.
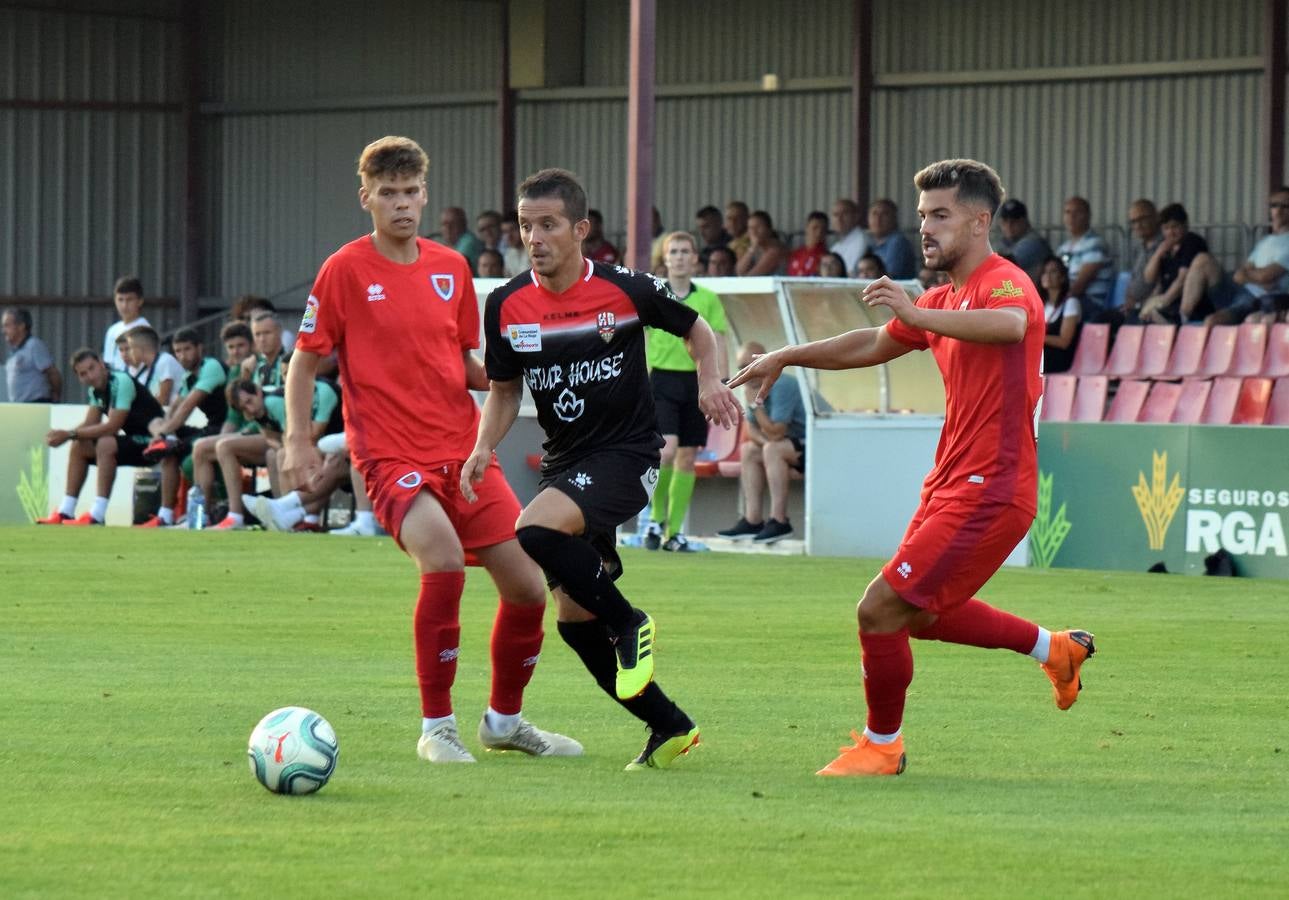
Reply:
x=606, y=322
x=309, y=321
x=444, y=285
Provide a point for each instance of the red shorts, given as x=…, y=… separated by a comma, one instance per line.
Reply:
x=394, y=485
x=951, y=549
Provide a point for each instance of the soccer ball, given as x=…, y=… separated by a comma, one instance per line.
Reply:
x=293, y=750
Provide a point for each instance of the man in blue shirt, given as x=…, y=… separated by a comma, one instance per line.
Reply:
x=775, y=444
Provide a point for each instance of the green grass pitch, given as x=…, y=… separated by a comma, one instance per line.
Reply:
x=134, y=664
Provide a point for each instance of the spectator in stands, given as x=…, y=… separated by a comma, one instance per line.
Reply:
x=657, y=265
x=595, y=246
x=736, y=217
x=203, y=387
x=1064, y=316
x=832, y=266
x=887, y=241
x=1087, y=258
x=454, y=233
x=487, y=228
x=673, y=378
x=235, y=337
x=246, y=307
x=1026, y=246
x=805, y=259
x=158, y=371
x=930, y=278
x=1263, y=278
x=128, y=297
x=1143, y=219
x=765, y=253
x=721, y=262
x=512, y=245
x=870, y=267
x=116, y=404
x=711, y=233
x=851, y=242
x=491, y=264
x=1189, y=283
x=30, y=373
x=775, y=445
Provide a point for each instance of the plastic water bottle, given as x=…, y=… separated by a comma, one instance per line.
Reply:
x=196, y=508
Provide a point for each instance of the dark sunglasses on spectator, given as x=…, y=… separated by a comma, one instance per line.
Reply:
x=1279, y=205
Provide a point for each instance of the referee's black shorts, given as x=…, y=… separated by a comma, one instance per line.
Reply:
x=675, y=395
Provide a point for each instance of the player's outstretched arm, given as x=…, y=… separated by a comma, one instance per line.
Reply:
x=852, y=350
x=499, y=412
x=717, y=401
x=982, y=326
x=301, y=464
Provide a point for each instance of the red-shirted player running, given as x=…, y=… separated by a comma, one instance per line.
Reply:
x=401, y=312
x=985, y=330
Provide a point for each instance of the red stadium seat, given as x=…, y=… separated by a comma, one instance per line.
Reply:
x=1276, y=362
x=1156, y=347
x=1058, y=397
x=1188, y=352
x=1191, y=401
x=1278, y=409
x=1090, y=354
x=722, y=444
x=1221, y=401
x=1219, y=351
x=1161, y=402
x=1089, y=398
x=1251, y=405
x=1127, y=402
x=1125, y=351
x=1250, y=348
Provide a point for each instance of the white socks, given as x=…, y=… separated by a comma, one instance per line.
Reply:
x=99, y=509
x=1043, y=646
x=365, y=518
x=500, y=723
x=69, y=506
x=882, y=738
x=428, y=725
x=167, y=515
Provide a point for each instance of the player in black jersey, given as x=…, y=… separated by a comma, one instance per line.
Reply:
x=573, y=331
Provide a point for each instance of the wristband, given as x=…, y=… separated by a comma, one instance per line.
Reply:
x=74, y=434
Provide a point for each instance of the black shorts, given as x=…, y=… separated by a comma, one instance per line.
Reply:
x=609, y=487
x=675, y=395
x=129, y=451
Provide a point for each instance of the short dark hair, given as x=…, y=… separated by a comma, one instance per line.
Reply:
x=489, y=251
x=721, y=248
x=265, y=314
x=818, y=215
x=83, y=354
x=147, y=334
x=707, y=212
x=21, y=316
x=1173, y=212
x=128, y=284
x=236, y=330
x=1013, y=210
x=187, y=336
x=975, y=182
x=559, y=183
x=765, y=217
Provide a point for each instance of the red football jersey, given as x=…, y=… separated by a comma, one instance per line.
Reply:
x=988, y=446
x=401, y=332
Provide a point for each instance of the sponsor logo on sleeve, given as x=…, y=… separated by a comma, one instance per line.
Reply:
x=309, y=322
x=525, y=338
x=444, y=285
x=1008, y=289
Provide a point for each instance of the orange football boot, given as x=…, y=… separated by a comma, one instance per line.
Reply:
x=151, y=522
x=54, y=518
x=1069, y=650
x=867, y=758
x=82, y=519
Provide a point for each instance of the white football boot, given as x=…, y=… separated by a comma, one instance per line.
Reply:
x=528, y=739
x=442, y=744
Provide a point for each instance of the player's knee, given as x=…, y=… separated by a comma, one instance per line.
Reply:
x=750, y=451
x=878, y=609
x=105, y=446
x=540, y=542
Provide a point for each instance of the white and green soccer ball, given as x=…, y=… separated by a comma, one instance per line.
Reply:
x=293, y=750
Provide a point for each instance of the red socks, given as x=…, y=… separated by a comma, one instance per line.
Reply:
x=516, y=644
x=888, y=671
x=436, y=630
x=978, y=624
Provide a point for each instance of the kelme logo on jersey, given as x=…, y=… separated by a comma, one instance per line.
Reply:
x=375, y=292
x=568, y=407
x=525, y=338
x=444, y=285
x=309, y=322
x=606, y=321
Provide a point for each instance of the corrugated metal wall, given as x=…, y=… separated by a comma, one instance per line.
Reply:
x=89, y=194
